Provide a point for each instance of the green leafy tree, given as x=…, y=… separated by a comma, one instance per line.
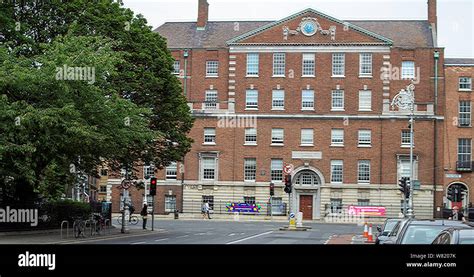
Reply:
x=57, y=129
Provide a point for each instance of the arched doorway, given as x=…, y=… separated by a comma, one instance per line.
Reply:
x=307, y=183
x=459, y=189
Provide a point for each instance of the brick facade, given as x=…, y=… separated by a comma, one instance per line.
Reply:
x=456, y=173
x=385, y=125
x=390, y=43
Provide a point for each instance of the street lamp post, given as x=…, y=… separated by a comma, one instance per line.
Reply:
x=405, y=100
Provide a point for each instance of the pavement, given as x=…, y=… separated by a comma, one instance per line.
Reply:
x=219, y=232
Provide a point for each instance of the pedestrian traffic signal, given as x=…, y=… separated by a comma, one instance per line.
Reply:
x=288, y=183
x=153, y=186
x=272, y=189
x=404, y=184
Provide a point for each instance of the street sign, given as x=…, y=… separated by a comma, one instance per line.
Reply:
x=126, y=184
x=416, y=184
x=292, y=215
x=288, y=168
x=453, y=176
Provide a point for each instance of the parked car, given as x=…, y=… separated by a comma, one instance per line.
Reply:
x=455, y=236
x=393, y=236
x=384, y=231
x=425, y=231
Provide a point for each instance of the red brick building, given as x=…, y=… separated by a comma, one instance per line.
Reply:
x=312, y=91
x=458, y=163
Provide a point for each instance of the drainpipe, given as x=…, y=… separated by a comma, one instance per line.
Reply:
x=435, y=154
x=186, y=55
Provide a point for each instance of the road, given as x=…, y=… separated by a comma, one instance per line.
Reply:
x=222, y=232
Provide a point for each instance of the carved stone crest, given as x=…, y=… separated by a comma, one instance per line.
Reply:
x=309, y=26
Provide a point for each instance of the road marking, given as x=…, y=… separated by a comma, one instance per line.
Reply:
x=185, y=236
x=230, y=235
x=252, y=237
x=140, y=242
x=160, y=239
x=113, y=237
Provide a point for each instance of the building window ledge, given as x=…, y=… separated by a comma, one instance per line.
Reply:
x=277, y=144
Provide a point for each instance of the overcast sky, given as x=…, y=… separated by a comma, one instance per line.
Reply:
x=455, y=17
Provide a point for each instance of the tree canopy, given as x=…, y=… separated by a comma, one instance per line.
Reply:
x=83, y=82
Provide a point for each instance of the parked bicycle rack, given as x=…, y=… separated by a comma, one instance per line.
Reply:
x=67, y=228
x=90, y=226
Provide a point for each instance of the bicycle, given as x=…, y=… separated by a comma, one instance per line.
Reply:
x=99, y=223
x=133, y=220
x=79, y=228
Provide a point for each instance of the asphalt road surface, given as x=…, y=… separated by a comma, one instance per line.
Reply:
x=222, y=232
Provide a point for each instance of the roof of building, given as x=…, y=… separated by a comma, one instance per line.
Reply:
x=403, y=33
x=459, y=61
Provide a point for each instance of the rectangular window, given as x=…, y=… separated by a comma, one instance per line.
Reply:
x=363, y=172
x=250, y=169
x=365, y=137
x=211, y=100
x=103, y=172
x=278, y=100
x=365, y=64
x=251, y=136
x=405, y=138
x=209, y=165
x=251, y=100
x=337, y=168
x=249, y=200
x=337, y=100
x=408, y=70
x=336, y=205
x=279, y=64
x=307, y=100
x=404, y=167
x=209, y=135
x=252, y=64
x=148, y=170
x=464, y=150
x=464, y=113
x=308, y=65
x=307, y=137
x=363, y=202
x=338, y=65
x=337, y=137
x=276, y=170
x=208, y=199
x=212, y=68
x=465, y=83
x=176, y=67
x=170, y=203
x=278, y=136
x=171, y=171
x=103, y=189
x=365, y=100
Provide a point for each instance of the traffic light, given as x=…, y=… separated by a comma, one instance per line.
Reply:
x=153, y=186
x=461, y=194
x=404, y=184
x=288, y=183
x=452, y=193
x=272, y=189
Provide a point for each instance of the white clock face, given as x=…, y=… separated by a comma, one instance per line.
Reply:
x=308, y=28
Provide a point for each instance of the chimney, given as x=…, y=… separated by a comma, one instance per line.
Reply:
x=432, y=15
x=203, y=14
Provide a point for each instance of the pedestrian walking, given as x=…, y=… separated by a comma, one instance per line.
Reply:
x=457, y=215
x=144, y=214
x=208, y=210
